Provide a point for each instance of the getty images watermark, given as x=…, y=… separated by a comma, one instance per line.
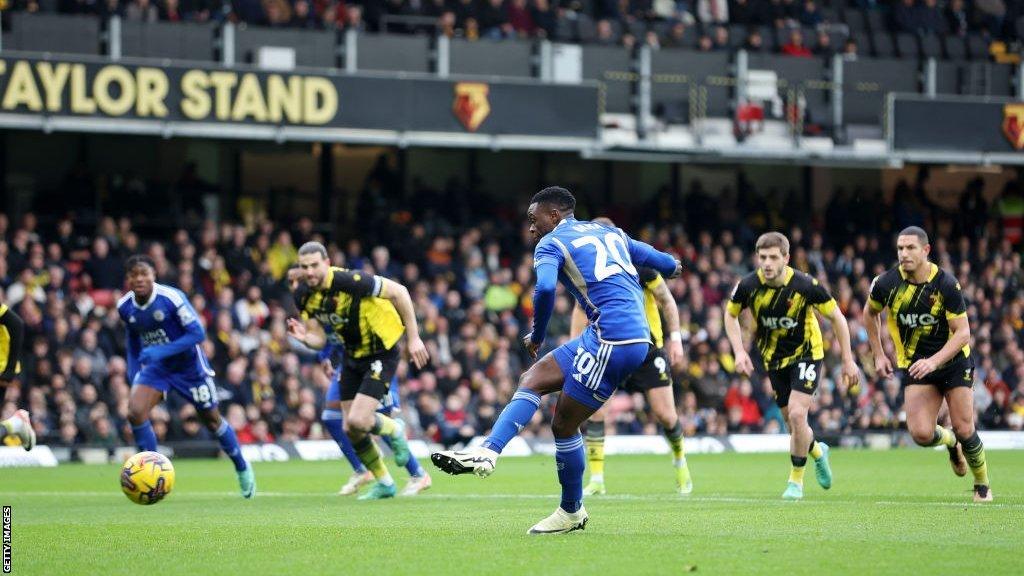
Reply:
x=7, y=539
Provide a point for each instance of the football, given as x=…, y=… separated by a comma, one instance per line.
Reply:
x=147, y=477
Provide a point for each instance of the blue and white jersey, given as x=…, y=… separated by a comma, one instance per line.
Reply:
x=168, y=327
x=595, y=265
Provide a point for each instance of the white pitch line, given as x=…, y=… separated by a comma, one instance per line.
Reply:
x=612, y=497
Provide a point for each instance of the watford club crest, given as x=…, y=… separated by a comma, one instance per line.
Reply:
x=1013, y=124
x=471, y=106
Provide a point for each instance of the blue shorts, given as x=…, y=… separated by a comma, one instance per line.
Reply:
x=593, y=370
x=199, y=389
x=390, y=403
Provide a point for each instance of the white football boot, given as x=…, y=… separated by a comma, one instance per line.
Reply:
x=479, y=461
x=20, y=425
x=561, y=522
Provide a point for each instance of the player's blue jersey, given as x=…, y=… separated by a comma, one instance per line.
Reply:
x=595, y=266
x=166, y=317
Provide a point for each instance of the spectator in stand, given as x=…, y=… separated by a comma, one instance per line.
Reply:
x=141, y=11
x=957, y=18
x=605, y=33
x=745, y=13
x=906, y=17
x=930, y=18
x=713, y=12
x=676, y=37
x=795, y=46
x=850, y=50
x=721, y=38
x=990, y=14
x=754, y=42
x=823, y=47
x=493, y=20
x=520, y=18
x=810, y=16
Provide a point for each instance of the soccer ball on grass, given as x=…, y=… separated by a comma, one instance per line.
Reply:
x=147, y=477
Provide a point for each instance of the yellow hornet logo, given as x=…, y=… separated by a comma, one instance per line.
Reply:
x=471, y=106
x=1013, y=124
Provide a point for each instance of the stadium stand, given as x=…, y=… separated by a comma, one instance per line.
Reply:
x=469, y=270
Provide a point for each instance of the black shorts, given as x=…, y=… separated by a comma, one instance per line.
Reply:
x=370, y=375
x=959, y=372
x=653, y=373
x=801, y=376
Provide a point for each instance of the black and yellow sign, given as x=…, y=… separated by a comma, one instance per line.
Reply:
x=123, y=90
x=957, y=124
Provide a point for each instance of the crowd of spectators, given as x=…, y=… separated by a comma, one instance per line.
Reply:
x=700, y=24
x=469, y=271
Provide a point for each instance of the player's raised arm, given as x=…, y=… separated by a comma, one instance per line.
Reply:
x=643, y=254
x=399, y=296
x=16, y=332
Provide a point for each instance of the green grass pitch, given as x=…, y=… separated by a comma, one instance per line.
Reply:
x=897, y=512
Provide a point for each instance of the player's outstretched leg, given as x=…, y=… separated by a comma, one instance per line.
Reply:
x=332, y=419
x=482, y=459
x=229, y=444
x=19, y=425
x=594, y=443
x=544, y=377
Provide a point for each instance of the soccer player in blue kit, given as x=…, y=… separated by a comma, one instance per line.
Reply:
x=597, y=264
x=165, y=353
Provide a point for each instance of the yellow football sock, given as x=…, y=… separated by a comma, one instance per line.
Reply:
x=371, y=457
x=384, y=426
x=594, y=443
x=943, y=437
x=814, y=451
x=675, y=441
x=974, y=453
x=796, y=474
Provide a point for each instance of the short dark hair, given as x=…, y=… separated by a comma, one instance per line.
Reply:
x=556, y=196
x=606, y=221
x=773, y=240
x=917, y=232
x=137, y=260
x=313, y=248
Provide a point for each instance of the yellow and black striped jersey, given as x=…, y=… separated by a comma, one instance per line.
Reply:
x=919, y=314
x=5, y=344
x=650, y=280
x=353, y=312
x=787, y=329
